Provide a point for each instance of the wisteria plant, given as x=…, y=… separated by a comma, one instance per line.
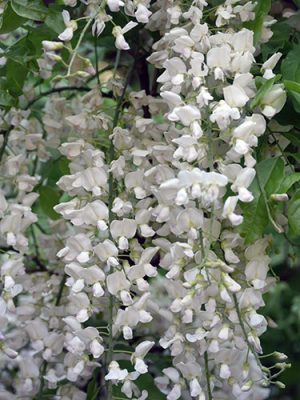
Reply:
x=146, y=167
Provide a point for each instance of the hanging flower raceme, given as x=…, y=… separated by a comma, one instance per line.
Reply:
x=142, y=253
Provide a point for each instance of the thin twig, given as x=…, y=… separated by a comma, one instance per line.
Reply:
x=5, y=141
x=83, y=32
x=282, y=152
x=262, y=190
x=251, y=348
x=57, y=90
x=209, y=392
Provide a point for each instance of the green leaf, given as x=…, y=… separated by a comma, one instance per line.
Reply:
x=294, y=213
x=55, y=21
x=36, y=36
x=295, y=156
x=291, y=85
x=261, y=10
x=54, y=169
x=289, y=181
x=49, y=197
x=146, y=382
x=290, y=69
x=264, y=88
x=294, y=92
x=31, y=9
x=93, y=388
x=9, y=20
x=6, y=100
x=271, y=173
x=293, y=137
x=293, y=20
x=290, y=66
x=16, y=75
x=279, y=40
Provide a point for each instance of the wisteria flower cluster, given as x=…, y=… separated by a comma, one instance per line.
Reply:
x=124, y=200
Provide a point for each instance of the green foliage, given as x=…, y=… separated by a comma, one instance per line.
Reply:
x=294, y=213
x=16, y=76
x=294, y=137
x=291, y=74
x=264, y=87
x=279, y=41
x=93, y=387
x=261, y=10
x=9, y=20
x=271, y=173
x=49, y=197
x=31, y=9
x=289, y=181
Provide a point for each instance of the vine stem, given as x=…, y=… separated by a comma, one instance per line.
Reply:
x=4, y=143
x=282, y=152
x=44, y=364
x=209, y=392
x=111, y=195
x=238, y=311
x=83, y=32
x=271, y=219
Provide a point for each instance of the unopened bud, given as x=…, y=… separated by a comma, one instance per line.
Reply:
x=280, y=197
x=72, y=24
x=82, y=74
x=280, y=356
x=247, y=386
x=54, y=57
x=280, y=385
x=52, y=46
x=9, y=352
x=281, y=365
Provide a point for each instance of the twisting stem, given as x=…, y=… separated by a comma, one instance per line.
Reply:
x=97, y=61
x=61, y=289
x=117, y=62
x=271, y=219
x=282, y=152
x=78, y=44
x=209, y=393
x=238, y=311
x=44, y=364
x=4, y=143
x=57, y=90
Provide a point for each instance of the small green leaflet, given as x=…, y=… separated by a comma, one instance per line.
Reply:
x=271, y=173
x=9, y=20
x=293, y=137
x=264, y=88
x=290, y=69
x=93, y=387
x=31, y=9
x=16, y=75
x=261, y=11
x=289, y=181
x=49, y=198
x=293, y=86
x=294, y=213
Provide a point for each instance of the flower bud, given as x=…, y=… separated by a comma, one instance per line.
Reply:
x=280, y=197
x=280, y=356
x=247, y=386
x=52, y=46
x=54, y=57
x=280, y=385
